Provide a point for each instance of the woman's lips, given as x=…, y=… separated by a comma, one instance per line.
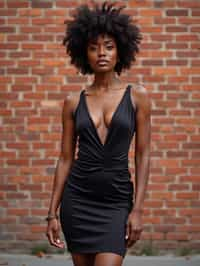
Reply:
x=102, y=62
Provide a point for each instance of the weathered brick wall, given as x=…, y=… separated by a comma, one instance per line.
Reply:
x=35, y=76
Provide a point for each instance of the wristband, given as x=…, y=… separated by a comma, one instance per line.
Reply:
x=51, y=216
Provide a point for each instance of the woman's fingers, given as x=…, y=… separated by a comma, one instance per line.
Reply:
x=54, y=239
x=57, y=239
x=136, y=233
x=59, y=243
x=51, y=238
x=134, y=236
x=128, y=235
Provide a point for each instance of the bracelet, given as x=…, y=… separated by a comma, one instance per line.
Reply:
x=51, y=216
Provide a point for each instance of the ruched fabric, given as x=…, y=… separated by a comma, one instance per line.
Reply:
x=98, y=193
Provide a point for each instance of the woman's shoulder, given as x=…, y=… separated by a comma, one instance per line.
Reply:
x=140, y=95
x=71, y=100
x=139, y=88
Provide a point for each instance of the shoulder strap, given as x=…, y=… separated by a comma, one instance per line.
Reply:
x=79, y=101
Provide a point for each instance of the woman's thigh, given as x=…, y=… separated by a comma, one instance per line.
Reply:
x=81, y=259
x=108, y=259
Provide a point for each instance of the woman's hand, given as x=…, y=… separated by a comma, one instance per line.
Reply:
x=52, y=232
x=133, y=228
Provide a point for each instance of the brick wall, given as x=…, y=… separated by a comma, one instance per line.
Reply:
x=35, y=76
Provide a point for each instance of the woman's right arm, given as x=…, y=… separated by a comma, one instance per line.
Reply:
x=67, y=152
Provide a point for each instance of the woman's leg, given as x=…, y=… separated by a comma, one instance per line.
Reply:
x=80, y=259
x=108, y=259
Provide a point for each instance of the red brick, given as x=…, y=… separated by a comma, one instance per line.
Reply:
x=151, y=12
x=38, y=229
x=43, y=21
x=18, y=4
x=194, y=45
x=14, y=38
x=188, y=4
x=17, y=21
x=176, y=29
x=174, y=220
x=187, y=54
x=150, y=46
x=171, y=163
x=55, y=12
x=153, y=204
x=33, y=46
x=195, y=70
x=17, y=212
x=177, y=137
x=140, y=4
x=158, y=187
x=16, y=196
x=8, y=187
x=177, y=12
x=165, y=71
x=8, y=12
x=177, y=153
x=185, y=37
x=190, y=162
x=164, y=228
x=163, y=4
x=175, y=79
x=69, y=3
x=30, y=187
x=196, y=187
x=30, y=12
x=32, y=29
x=195, y=62
x=152, y=62
x=8, y=46
x=7, y=29
x=177, y=45
x=163, y=212
x=189, y=212
x=177, y=236
x=161, y=37
x=187, y=195
x=192, y=145
x=195, y=220
x=148, y=29
x=177, y=62
x=177, y=204
x=163, y=20
x=41, y=4
x=154, y=220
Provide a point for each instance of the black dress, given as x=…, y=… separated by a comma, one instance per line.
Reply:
x=98, y=194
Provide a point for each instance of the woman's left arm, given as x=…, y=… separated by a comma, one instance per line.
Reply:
x=142, y=161
x=142, y=146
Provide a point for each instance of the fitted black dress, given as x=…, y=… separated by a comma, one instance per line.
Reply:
x=98, y=193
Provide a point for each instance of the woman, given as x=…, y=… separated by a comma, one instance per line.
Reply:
x=100, y=212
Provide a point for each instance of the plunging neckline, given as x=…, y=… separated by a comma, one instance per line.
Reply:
x=111, y=121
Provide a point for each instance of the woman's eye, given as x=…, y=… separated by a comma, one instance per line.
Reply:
x=92, y=48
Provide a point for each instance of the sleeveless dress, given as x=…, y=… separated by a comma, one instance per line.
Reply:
x=98, y=192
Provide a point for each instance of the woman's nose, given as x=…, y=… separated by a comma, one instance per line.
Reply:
x=101, y=50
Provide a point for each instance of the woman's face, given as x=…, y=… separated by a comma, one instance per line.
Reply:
x=104, y=48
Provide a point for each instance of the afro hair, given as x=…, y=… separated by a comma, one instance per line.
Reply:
x=105, y=19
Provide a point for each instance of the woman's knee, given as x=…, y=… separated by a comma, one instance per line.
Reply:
x=108, y=259
x=80, y=259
